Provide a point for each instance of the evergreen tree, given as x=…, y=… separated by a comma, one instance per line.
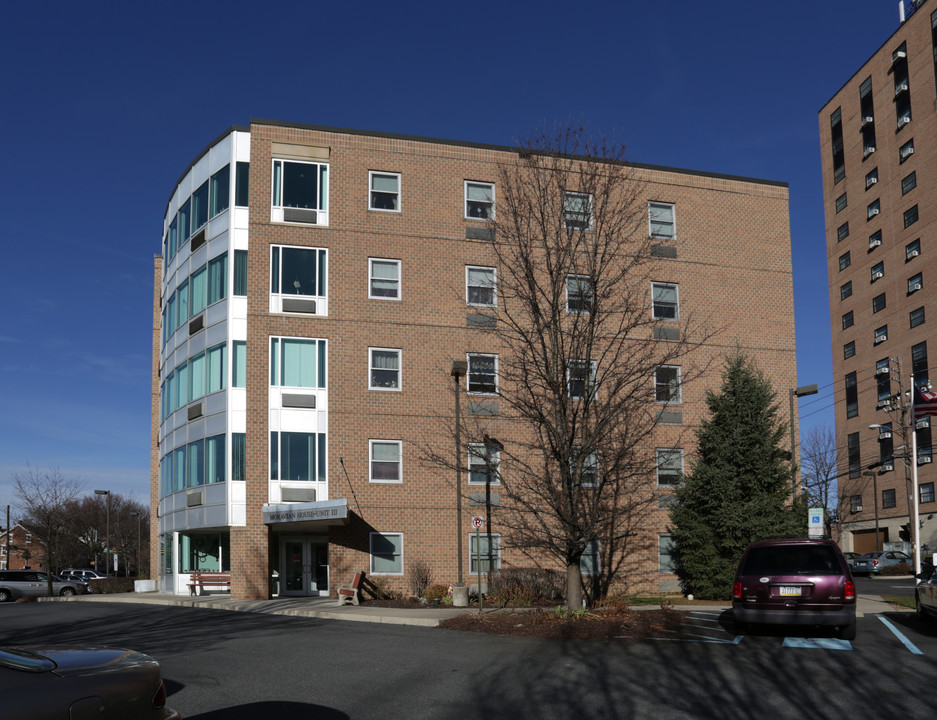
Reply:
x=739, y=488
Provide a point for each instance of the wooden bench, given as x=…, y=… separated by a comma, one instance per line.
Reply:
x=349, y=593
x=198, y=579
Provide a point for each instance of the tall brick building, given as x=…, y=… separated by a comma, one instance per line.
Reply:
x=316, y=286
x=878, y=138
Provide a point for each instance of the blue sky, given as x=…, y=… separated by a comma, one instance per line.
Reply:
x=106, y=103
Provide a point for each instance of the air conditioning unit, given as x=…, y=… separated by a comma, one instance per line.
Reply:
x=857, y=509
x=882, y=404
x=902, y=121
x=886, y=466
x=874, y=243
x=903, y=87
x=884, y=434
x=881, y=371
x=898, y=55
x=868, y=119
x=877, y=274
x=906, y=153
x=913, y=287
x=880, y=339
x=913, y=253
x=873, y=212
x=924, y=459
x=922, y=423
x=869, y=182
x=868, y=150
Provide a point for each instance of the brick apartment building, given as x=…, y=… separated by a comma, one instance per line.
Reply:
x=878, y=137
x=315, y=287
x=25, y=550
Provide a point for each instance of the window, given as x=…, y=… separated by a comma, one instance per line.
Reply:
x=198, y=290
x=484, y=464
x=881, y=334
x=589, y=563
x=241, y=184
x=297, y=362
x=836, y=135
x=848, y=320
x=666, y=302
x=669, y=467
x=841, y=203
x=217, y=279
x=200, y=207
x=297, y=456
x=849, y=349
x=577, y=210
x=912, y=250
x=919, y=364
x=580, y=375
x=238, y=456
x=479, y=200
x=867, y=118
x=239, y=364
x=386, y=553
x=908, y=183
x=215, y=459
x=844, y=261
x=852, y=396
x=384, y=279
x=910, y=216
x=875, y=239
x=873, y=209
x=871, y=178
x=855, y=503
x=385, y=461
x=917, y=317
x=385, y=191
x=302, y=186
x=852, y=447
x=240, y=273
x=482, y=373
x=886, y=448
x=216, y=367
x=184, y=215
x=384, y=369
x=661, y=219
x=480, y=286
x=883, y=383
x=667, y=384
x=182, y=304
x=927, y=492
x=888, y=499
x=906, y=150
x=489, y=553
x=842, y=232
x=878, y=303
x=915, y=283
x=579, y=294
x=297, y=271
x=877, y=272
x=588, y=470
x=220, y=190
x=665, y=550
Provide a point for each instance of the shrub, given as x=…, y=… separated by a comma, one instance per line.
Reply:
x=436, y=592
x=419, y=577
x=109, y=586
x=899, y=569
x=525, y=586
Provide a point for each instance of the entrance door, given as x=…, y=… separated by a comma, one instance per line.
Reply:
x=304, y=566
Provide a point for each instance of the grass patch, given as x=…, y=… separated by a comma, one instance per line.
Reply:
x=902, y=601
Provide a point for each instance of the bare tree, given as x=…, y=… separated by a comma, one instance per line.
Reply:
x=819, y=473
x=584, y=369
x=44, y=498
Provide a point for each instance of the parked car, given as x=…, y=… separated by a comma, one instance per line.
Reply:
x=795, y=582
x=33, y=583
x=851, y=557
x=873, y=562
x=82, y=574
x=66, y=681
x=925, y=594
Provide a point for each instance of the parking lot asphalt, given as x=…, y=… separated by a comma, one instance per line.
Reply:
x=328, y=608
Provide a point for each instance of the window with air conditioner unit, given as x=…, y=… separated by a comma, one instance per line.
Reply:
x=899, y=54
x=915, y=283
x=903, y=120
x=298, y=280
x=881, y=334
x=867, y=120
x=871, y=178
x=873, y=209
x=868, y=150
x=300, y=192
x=901, y=87
x=878, y=271
x=912, y=250
x=906, y=150
x=875, y=240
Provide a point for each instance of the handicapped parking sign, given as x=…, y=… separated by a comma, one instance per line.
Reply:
x=815, y=522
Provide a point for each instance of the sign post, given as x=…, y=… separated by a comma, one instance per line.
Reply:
x=477, y=522
x=815, y=522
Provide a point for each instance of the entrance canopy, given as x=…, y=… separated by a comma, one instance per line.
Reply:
x=306, y=517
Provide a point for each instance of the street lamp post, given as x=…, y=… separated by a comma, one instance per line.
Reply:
x=459, y=593
x=139, y=518
x=107, y=531
x=798, y=392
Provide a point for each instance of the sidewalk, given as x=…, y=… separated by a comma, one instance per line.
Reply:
x=328, y=609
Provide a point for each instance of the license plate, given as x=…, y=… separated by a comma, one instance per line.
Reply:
x=790, y=591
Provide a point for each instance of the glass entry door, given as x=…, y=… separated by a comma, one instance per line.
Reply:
x=304, y=566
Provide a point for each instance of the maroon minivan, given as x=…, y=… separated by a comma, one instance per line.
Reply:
x=795, y=582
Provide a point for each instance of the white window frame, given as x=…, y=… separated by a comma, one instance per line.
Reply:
x=590, y=562
x=678, y=393
x=481, y=454
x=660, y=539
x=371, y=461
x=588, y=294
x=372, y=278
x=654, y=206
x=276, y=206
x=371, y=369
x=676, y=304
x=662, y=456
x=277, y=298
x=468, y=373
x=371, y=554
x=496, y=559
x=384, y=173
x=491, y=202
x=493, y=286
x=591, y=461
x=591, y=379
x=568, y=212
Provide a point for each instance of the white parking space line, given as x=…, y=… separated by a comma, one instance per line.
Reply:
x=898, y=634
x=817, y=643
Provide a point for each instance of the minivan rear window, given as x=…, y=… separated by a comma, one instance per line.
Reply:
x=791, y=560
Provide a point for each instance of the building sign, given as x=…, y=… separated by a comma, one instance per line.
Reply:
x=305, y=512
x=815, y=522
